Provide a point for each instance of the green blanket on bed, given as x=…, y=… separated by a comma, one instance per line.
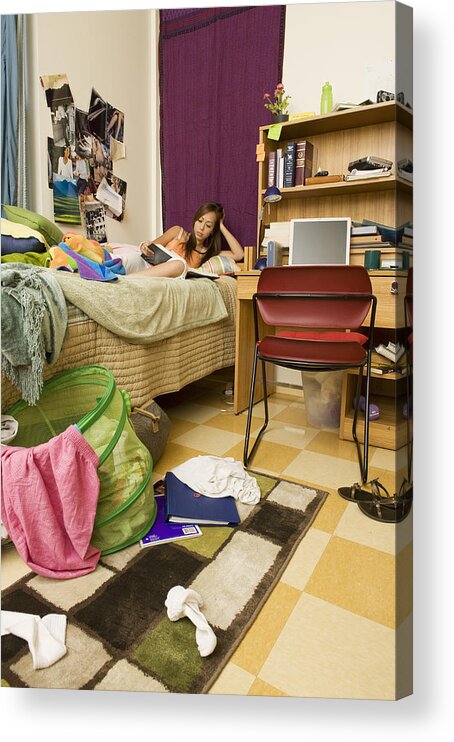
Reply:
x=34, y=319
x=145, y=309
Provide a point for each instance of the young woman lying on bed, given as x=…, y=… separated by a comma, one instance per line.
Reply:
x=190, y=249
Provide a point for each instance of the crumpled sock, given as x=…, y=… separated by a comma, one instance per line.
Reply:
x=216, y=476
x=45, y=636
x=186, y=602
x=10, y=426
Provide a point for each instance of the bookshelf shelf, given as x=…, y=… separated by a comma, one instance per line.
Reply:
x=369, y=185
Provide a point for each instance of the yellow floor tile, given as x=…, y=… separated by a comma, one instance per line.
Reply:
x=179, y=427
x=293, y=416
x=271, y=458
x=13, y=567
x=385, y=459
x=234, y=423
x=355, y=526
x=233, y=680
x=326, y=471
x=288, y=435
x=174, y=455
x=192, y=411
x=356, y=578
x=259, y=688
x=256, y=645
x=328, y=442
x=404, y=584
x=327, y=652
x=305, y=559
x=206, y=439
x=330, y=513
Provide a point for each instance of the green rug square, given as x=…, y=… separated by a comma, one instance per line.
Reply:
x=170, y=653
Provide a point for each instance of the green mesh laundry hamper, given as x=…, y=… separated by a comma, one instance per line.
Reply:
x=89, y=398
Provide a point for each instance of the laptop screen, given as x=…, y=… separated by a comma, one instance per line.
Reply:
x=320, y=241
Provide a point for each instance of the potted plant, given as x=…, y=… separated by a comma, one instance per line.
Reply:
x=278, y=106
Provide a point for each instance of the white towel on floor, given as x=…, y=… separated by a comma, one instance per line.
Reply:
x=45, y=636
x=215, y=476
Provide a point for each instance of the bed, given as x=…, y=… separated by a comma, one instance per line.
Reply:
x=151, y=369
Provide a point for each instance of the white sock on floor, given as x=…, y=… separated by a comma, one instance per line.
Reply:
x=185, y=602
x=45, y=636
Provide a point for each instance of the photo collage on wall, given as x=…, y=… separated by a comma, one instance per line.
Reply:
x=81, y=153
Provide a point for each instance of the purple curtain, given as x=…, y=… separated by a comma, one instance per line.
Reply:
x=215, y=65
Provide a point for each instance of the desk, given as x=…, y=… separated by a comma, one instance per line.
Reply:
x=389, y=314
x=245, y=340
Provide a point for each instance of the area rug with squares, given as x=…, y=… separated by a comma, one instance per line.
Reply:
x=119, y=636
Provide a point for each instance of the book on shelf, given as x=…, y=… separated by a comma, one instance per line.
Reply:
x=280, y=167
x=272, y=169
x=365, y=174
x=163, y=532
x=289, y=165
x=304, y=161
x=365, y=239
x=405, y=240
x=391, y=234
x=274, y=253
x=364, y=229
x=408, y=230
x=321, y=179
x=160, y=254
x=392, y=351
x=184, y=505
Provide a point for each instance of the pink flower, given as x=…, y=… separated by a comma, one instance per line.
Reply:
x=280, y=87
x=267, y=95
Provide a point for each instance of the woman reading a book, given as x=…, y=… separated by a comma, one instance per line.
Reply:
x=190, y=249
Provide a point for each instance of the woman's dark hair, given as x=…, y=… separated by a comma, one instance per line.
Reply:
x=213, y=243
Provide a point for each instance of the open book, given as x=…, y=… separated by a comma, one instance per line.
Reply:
x=162, y=255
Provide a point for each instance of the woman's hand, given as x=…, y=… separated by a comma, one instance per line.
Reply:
x=145, y=247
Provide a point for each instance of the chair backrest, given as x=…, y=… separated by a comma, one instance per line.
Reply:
x=304, y=311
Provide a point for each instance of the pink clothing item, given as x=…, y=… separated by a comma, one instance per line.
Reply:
x=49, y=499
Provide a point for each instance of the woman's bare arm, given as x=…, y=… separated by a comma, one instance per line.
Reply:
x=165, y=238
x=236, y=251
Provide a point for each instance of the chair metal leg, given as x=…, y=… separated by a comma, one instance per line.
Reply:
x=366, y=418
x=247, y=458
x=249, y=411
x=355, y=419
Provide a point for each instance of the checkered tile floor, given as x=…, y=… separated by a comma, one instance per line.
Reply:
x=332, y=626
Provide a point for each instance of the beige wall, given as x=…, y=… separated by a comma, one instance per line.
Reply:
x=352, y=45
x=116, y=53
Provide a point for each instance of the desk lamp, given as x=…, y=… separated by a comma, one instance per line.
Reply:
x=272, y=196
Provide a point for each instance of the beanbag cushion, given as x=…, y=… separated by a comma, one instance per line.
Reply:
x=51, y=233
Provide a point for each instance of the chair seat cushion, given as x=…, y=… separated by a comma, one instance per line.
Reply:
x=338, y=337
x=278, y=348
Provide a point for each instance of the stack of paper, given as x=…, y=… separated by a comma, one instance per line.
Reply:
x=279, y=232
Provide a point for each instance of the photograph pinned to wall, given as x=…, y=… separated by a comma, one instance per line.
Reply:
x=114, y=124
x=66, y=200
x=97, y=115
x=112, y=193
x=58, y=92
x=117, y=150
x=101, y=160
x=52, y=161
x=86, y=187
x=94, y=221
x=63, y=119
x=83, y=136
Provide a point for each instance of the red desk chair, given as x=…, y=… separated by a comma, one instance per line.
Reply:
x=327, y=300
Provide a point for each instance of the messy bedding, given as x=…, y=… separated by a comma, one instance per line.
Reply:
x=194, y=338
